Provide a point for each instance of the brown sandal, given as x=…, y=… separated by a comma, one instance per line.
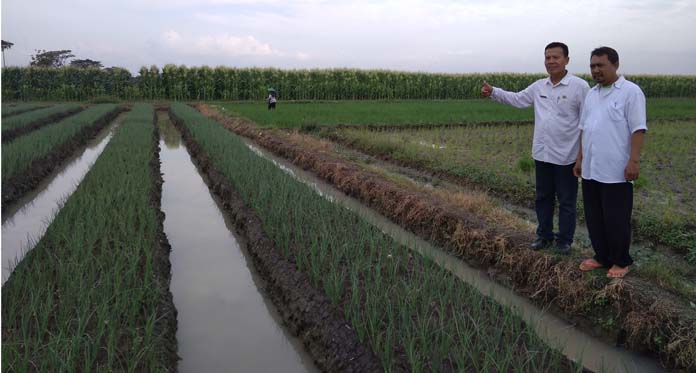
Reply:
x=589, y=265
x=617, y=272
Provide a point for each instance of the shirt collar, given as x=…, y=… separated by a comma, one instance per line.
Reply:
x=618, y=83
x=563, y=81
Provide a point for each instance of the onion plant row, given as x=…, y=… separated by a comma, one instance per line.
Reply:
x=28, y=118
x=18, y=155
x=8, y=110
x=414, y=314
x=88, y=297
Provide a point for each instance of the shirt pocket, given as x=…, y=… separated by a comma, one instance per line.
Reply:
x=616, y=112
x=567, y=108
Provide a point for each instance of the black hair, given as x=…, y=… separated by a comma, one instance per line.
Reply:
x=558, y=44
x=611, y=54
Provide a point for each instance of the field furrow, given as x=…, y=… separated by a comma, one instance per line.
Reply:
x=412, y=313
x=653, y=318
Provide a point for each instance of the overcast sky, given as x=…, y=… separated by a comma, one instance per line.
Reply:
x=651, y=36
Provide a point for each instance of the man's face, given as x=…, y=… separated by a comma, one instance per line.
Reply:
x=555, y=61
x=603, y=71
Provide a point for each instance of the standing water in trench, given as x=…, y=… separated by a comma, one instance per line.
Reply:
x=224, y=322
x=594, y=354
x=25, y=222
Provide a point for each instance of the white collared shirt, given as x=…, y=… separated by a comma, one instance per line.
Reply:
x=557, y=111
x=609, y=118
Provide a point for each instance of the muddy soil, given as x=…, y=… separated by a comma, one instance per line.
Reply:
x=13, y=133
x=166, y=323
x=307, y=311
x=644, y=317
x=40, y=168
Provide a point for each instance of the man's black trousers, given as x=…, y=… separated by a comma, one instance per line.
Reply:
x=608, y=210
x=556, y=181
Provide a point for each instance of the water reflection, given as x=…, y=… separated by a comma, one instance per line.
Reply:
x=224, y=321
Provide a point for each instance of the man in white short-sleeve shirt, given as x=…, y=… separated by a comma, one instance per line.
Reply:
x=613, y=126
x=557, y=102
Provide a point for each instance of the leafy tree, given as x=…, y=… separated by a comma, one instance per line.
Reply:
x=44, y=58
x=86, y=63
x=5, y=45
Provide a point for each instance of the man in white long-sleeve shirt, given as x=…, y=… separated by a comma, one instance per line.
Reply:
x=557, y=102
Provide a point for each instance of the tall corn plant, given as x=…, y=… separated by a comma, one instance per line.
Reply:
x=231, y=83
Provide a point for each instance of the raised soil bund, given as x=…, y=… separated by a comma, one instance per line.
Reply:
x=13, y=133
x=645, y=318
x=166, y=325
x=40, y=168
x=512, y=194
x=308, y=312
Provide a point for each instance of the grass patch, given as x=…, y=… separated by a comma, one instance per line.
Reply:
x=332, y=113
x=497, y=158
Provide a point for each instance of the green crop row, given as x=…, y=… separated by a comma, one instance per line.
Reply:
x=36, y=115
x=228, y=83
x=15, y=109
x=407, y=308
x=89, y=296
x=18, y=155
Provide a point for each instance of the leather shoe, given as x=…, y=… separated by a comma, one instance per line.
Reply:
x=540, y=243
x=563, y=248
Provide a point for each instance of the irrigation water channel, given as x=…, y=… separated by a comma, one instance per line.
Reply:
x=224, y=321
x=26, y=220
x=595, y=354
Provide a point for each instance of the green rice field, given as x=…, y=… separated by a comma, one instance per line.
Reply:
x=396, y=112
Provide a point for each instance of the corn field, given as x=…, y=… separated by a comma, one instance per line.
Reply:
x=240, y=84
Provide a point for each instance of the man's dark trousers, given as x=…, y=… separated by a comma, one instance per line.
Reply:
x=556, y=181
x=608, y=210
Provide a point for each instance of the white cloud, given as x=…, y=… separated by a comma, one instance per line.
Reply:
x=652, y=36
x=171, y=37
x=225, y=45
x=235, y=46
x=211, y=18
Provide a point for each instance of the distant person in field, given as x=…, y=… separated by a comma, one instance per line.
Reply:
x=612, y=129
x=557, y=102
x=271, y=99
